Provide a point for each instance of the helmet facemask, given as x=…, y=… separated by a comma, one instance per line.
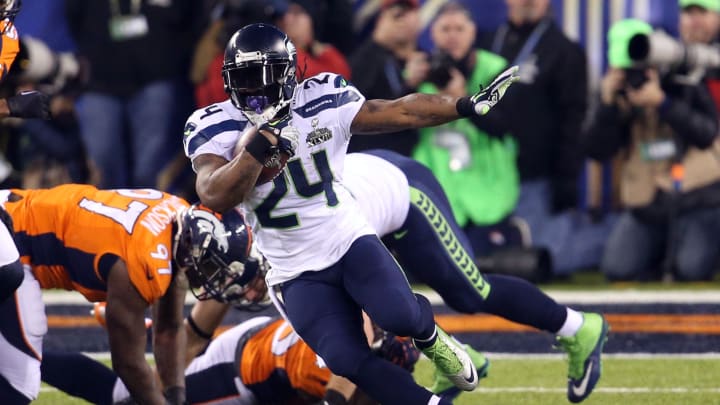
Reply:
x=214, y=255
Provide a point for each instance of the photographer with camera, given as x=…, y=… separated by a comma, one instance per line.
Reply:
x=473, y=158
x=700, y=24
x=664, y=129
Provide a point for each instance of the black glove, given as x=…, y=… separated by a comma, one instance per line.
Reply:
x=29, y=104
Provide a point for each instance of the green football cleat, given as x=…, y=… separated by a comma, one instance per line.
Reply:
x=444, y=388
x=584, y=351
x=452, y=361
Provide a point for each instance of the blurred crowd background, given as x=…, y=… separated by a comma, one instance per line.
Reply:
x=589, y=163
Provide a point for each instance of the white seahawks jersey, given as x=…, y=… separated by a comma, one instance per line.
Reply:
x=304, y=220
x=381, y=190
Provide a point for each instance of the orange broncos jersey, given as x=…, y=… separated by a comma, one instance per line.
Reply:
x=71, y=236
x=275, y=358
x=9, y=48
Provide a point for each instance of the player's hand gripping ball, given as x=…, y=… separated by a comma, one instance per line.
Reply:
x=284, y=138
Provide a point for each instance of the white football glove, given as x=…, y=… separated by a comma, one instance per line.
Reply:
x=286, y=134
x=486, y=98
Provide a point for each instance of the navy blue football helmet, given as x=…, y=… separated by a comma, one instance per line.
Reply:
x=259, y=71
x=215, y=252
x=9, y=9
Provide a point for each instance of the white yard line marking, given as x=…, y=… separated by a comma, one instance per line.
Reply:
x=620, y=297
x=617, y=356
x=546, y=390
x=568, y=297
x=599, y=390
x=104, y=356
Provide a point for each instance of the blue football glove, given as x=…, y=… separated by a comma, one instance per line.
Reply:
x=287, y=135
x=398, y=351
x=481, y=102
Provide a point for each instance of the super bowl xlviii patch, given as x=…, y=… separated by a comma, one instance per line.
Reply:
x=317, y=135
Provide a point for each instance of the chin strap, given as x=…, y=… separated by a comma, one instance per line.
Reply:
x=176, y=238
x=267, y=114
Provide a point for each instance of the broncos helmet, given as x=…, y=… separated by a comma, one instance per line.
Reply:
x=9, y=9
x=259, y=71
x=214, y=252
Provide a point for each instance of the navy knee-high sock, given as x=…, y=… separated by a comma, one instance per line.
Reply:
x=520, y=301
x=374, y=374
x=79, y=376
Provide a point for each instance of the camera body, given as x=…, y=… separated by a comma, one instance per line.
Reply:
x=635, y=77
x=440, y=64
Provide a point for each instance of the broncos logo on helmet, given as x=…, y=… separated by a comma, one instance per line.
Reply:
x=215, y=251
x=259, y=71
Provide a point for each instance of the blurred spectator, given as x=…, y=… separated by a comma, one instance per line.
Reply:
x=313, y=56
x=50, y=153
x=472, y=158
x=665, y=131
x=551, y=99
x=387, y=66
x=335, y=27
x=700, y=23
x=138, y=93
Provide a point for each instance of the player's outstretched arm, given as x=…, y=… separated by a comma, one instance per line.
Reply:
x=426, y=110
x=200, y=325
x=125, y=316
x=169, y=339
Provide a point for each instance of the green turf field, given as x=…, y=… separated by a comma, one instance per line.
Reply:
x=539, y=381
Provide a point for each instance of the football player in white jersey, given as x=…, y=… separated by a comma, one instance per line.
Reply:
x=325, y=259
x=403, y=201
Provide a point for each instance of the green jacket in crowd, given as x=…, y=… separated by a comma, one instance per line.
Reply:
x=477, y=171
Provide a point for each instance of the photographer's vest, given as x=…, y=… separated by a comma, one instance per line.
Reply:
x=478, y=172
x=650, y=159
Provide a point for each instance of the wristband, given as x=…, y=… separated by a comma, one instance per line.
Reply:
x=465, y=107
x=197, y=329
x=333, y=397
x=259, y=147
